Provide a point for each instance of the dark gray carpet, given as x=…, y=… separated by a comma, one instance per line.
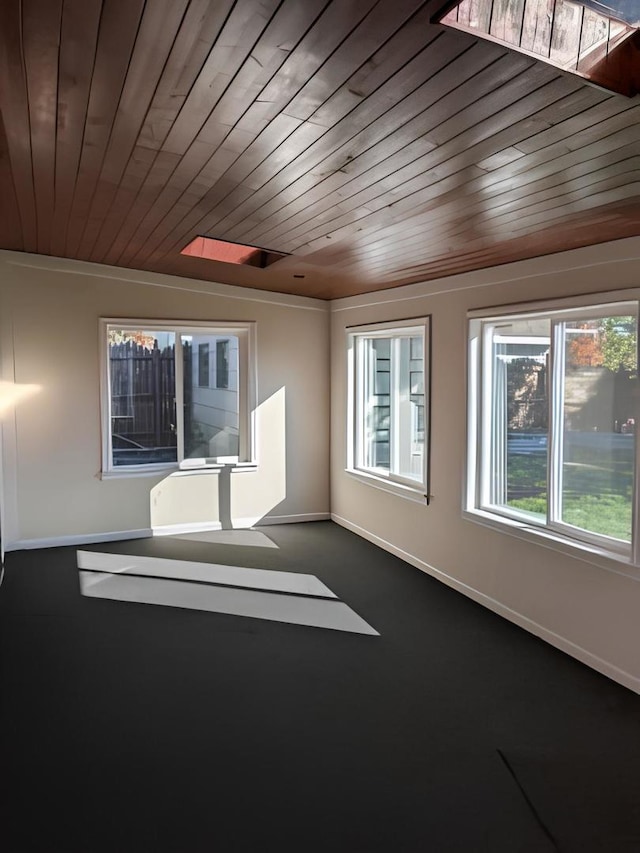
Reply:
x=129, y=728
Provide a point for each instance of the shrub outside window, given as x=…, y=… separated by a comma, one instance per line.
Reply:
x=552, y=417
x=158, y=407
x=389, y=402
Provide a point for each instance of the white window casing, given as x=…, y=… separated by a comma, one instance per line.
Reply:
x=388, y=406
x=589, y=481
x=235, y=418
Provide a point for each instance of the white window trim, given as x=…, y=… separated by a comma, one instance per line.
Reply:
x=600, y=550
x=247, y=394
x=392, y=483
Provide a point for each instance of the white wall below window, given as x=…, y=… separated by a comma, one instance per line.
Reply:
x=588, y=610
x=49, y=336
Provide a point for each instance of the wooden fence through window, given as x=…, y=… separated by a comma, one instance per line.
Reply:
x=143, y=394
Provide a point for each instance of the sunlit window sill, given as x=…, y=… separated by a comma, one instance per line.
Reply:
x=150, y=471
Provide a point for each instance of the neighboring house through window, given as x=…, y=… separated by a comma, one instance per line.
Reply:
x=203, y=365
x=222, y=364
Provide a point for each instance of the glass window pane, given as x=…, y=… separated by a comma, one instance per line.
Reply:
x=410, y=408
x=598, y=425
x=222, y=364
x=376, y=402
x=203, y=365
x=519, y=415
x=391, y=406
x=211, y=414
x=142, y=388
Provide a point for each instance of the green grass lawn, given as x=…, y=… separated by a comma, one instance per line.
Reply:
x=597, y=498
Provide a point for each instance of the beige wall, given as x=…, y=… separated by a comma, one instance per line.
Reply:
x=49, y=312
x=588, y=610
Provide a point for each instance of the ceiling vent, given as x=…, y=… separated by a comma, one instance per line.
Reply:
x=230, y=253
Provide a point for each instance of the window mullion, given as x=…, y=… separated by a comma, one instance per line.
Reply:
x=361, y=366
x=395, y=404
x=635, y=498
x=486, y=404
x=556, y=429
x=179, y=398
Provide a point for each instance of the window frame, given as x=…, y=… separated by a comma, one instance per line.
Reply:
x=380, y=477
x=247, y=393
x=479, y=385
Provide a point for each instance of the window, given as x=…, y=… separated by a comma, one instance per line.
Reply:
x=553, y=411
x=203, y=365
x=222, y=364
x=389, y=403
x=158, y=407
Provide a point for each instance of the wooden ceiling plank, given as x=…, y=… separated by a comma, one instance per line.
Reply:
x=609, y=225
x=41, y=21
x=198, y=32
x=617, y=146
x=377, y=27
x=502, y=208
x=317, y=50
x=201, y=27
x=10, y=228
x=481, y=206
x=371, y=188
x=488, y=245
x=370, y=35
x=246, y=79
x=365, y=115
x=474, y=153
x=400, y=245
x=403, y=174
x=595, y=195
x=460, y=149
x=243, y=28
x=407, y=141
x=156, y=35
x=15, y=115
x=116, y=38
x=78, y=42
x=581, y=123
x=313, y=143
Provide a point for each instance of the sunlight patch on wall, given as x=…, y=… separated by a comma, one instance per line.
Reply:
x=228, y=496
x=12, y=393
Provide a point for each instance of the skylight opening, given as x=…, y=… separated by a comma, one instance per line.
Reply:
x=230, y=253
x=586, y=38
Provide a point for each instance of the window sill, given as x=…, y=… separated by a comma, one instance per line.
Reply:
x=610, y=560
x=410, y=493
x=177, y=471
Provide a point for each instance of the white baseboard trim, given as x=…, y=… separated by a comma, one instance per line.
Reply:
x=161, y=530
x=583, y=655
x=77, y=539
x=187, y=527
x=293, y=519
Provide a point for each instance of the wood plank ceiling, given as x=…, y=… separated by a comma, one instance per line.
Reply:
x=374, y=147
